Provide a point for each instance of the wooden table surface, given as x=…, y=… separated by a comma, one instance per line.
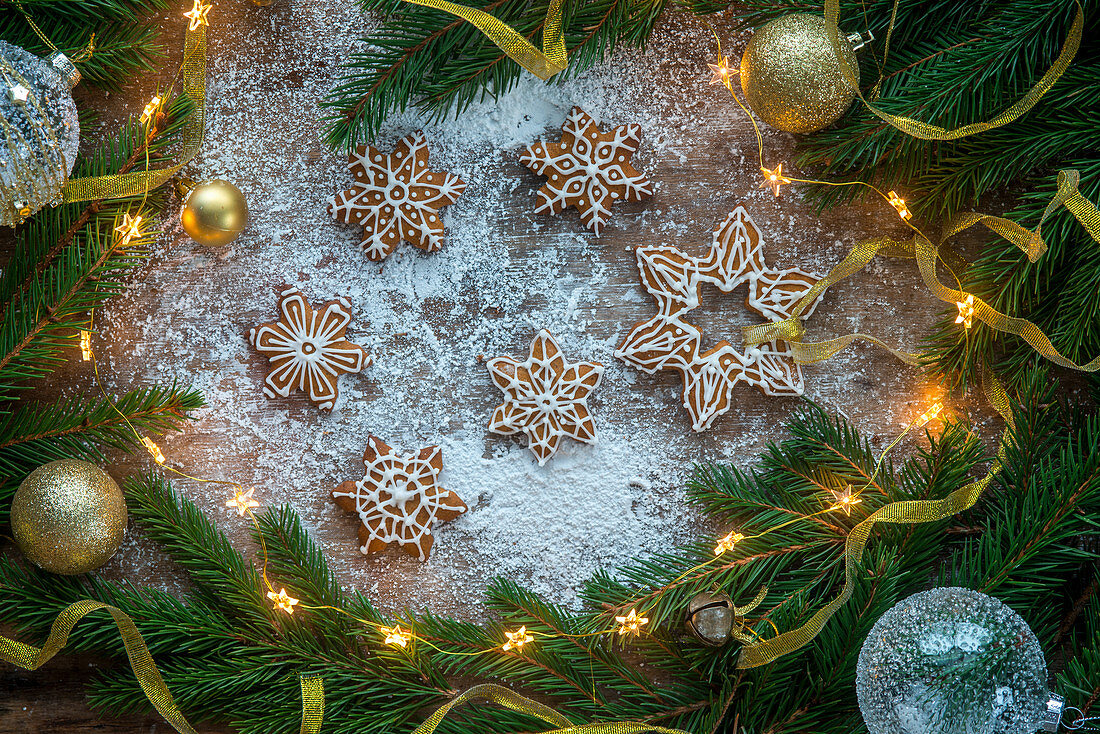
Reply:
x=704, y=162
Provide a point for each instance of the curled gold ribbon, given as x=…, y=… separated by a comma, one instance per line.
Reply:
x=925, y=131
x=138, y=183
x=907, y=512
x=928, y=256
x=508, y=698
x=29, y=657
x=543, y=64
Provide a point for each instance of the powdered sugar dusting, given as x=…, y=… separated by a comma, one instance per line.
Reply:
x=431, y=320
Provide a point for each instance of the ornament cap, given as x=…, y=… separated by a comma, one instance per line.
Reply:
x=1052, y=716
x=859, y=40
x=65, y=68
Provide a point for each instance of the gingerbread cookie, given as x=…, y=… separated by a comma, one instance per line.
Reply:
x=588, y=169
x=546, y=397
x=307, y=349
x=397, y=500
x=396, y=197
x=668, y=342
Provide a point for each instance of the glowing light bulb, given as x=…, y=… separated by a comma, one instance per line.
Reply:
x=930, y=414
x=282, y=600
x=197, y=14
x=899, y=203
x=845, y=500
x=966, y=312
x=726, y=544
x=721, y=71
x=150, y=110
x=86, y=345
x=242, y=502
x=129, y=229
x=517, y=639
x=631, y=624
x=396, y=636
x=774, y=179
x=153, y=449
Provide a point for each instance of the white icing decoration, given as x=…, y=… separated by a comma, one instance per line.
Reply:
x=398, y=498
x=546, y=397
x=667, y=341
x=587, y=169
x=392, y=184
x=307, y=349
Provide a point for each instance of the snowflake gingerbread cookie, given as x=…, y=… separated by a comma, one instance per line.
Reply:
x=669, y=342
x=307, y=349
x=398, y=499
x=588, y=169
x=546, y=397
x=396, y=197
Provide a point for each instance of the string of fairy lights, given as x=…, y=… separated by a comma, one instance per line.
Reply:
x=629, y=619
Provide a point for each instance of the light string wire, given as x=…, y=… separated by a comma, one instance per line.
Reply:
x=85, y=53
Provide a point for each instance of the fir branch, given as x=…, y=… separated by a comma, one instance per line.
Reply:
x=438, y=64
x=126, y=42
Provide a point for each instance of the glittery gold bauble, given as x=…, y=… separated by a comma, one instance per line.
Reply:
x=214, y=212
x=68, y=517
x=791, y=77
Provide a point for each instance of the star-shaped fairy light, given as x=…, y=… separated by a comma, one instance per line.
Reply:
x=398, y=500
x=517, y=639
x=966, y=312
x=150, y=109
x=307, y=348
x=153, y=449
x=129, y=229
x=845, y=500
x=546, y=397
x=197, y=14
x=282, y=600
x=631, y=624
x=86, y=345
x=773, y=179
x=726, y=544
x=242, y=502
x=930, y=414
x=396, y=636
x=589, y=169
x=899, y=204
x=721, y=71
x=396, y=197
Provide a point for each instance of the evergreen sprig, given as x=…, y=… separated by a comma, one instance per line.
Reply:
x=228, y=657
x=126, y=42
x=439, y=64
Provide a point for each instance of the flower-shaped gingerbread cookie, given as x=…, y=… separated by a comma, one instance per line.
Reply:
x=546, y=397
x=588, y=169
x=307, y=348
x=396, y=197
x=398, y=499
x=669, y=342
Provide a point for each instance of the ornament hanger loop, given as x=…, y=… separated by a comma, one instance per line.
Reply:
x=1078, y=722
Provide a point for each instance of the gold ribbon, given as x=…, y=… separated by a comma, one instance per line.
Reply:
x=907, y=512
x=138, y=183
x=928, y=256
x=509, y=699
x=31, y=658
x=543, y=64
x=925, y=131
x=313, y=703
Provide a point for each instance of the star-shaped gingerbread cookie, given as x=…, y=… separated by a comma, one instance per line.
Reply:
x=396, y=197
x=398, y=499
x=588, y=169
x=307, y=349
x=546, y=397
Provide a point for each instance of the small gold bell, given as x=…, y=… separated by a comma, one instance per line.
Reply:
x=710, y=618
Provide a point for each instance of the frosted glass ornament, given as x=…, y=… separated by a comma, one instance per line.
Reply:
x=951, y=661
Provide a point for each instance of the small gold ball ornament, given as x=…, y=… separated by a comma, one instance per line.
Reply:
x=68, y=517
x=214, y=212
x=791, y=76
